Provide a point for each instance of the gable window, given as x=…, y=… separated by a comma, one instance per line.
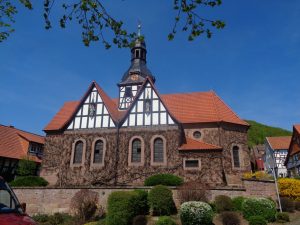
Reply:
x=136, y=151
x=158, y=150
x=236, y=156
x=191, y=164
x=78, y=152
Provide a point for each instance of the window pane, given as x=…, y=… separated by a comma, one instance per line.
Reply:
x=136, y=150
x=236, y=157
x=78, y=152
x=158, y=150
x=98, y=152
x=192, y=163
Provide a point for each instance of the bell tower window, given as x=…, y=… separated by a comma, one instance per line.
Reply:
x=128, y=92
x=137, y=53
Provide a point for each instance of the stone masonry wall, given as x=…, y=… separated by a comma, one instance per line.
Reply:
x=51, y=200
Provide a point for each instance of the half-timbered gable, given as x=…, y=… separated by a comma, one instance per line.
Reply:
x=148, y=109
x=92, y=112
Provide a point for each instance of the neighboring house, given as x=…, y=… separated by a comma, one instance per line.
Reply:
x=292, y=161
x=17, y=144
x=103, y=141
x=257, y=154
x=278, y=146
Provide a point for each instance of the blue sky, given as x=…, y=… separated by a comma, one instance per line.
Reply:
x=253, y=64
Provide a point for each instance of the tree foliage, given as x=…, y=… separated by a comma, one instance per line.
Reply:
x=258, y=132
x=26, y=167
x=96, y=22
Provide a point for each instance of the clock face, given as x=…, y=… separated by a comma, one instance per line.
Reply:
x=134, y=77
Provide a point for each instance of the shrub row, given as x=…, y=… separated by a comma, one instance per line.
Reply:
x=123, y=206
x=29, y=181
x=163, y=179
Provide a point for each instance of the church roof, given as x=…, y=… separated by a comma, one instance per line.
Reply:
x=279, y=143
x=297, y=128
x=14, y=142
x=197, y=107
x=192, y=144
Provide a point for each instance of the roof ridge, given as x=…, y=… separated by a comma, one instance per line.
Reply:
x=216, y=108
x=17, y=129
x=194, y=92
x=230, y=109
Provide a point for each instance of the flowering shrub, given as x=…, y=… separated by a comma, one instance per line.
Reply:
x=195, y=213
x=260, y=175
x=259, y=207
x=289, y=187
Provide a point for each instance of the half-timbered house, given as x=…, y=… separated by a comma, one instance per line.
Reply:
x=103, y=141
x=292, y=161
x=278, y=146
x=16, y=144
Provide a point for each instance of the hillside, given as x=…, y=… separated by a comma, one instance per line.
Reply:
x=258, y=132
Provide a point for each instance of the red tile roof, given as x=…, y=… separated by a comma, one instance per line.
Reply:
x=197, y=107
x=278, y=143
x=14, y=143
x=192, y=144
x=297, y=128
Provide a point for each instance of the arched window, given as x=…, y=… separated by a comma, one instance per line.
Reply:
x=236, y=156
x=136, y=150
x=98, y=152
x=158, y=151
x=78, y=151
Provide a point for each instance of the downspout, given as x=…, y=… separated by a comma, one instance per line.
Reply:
x=117, y=155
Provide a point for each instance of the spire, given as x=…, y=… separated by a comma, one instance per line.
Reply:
x=138, y=70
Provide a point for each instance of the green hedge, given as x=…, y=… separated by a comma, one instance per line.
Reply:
x=165, y=220
x=123, y=206
x=161, y=202
x=257, y=220
x=238, y=202
x=223, y=203
x=29, y=181
x=259, y=207
x=163, y=179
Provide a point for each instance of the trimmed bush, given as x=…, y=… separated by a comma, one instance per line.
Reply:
x=161, y=202
x=259, y=207
x=140, y=203
x=84, y=204
x=195, y=213
x=192, y=191
x=282, y=217
x=257, y=220
x=230, y=218
x=237, y=203
x=26, y=167
x=123, y=206
x=223, y=203
x=29, y=181
x=139, y=220
x=287, y=204
x=163, y=179
x=165, y=220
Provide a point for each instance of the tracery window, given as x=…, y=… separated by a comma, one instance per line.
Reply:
x=236, y=156
x=98, y=152
x=158, y=150
x=78, y=151
x=136, y=150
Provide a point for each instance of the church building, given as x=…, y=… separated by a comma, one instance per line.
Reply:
x=102, y=141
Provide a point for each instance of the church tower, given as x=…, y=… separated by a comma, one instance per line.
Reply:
x=134, y=77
